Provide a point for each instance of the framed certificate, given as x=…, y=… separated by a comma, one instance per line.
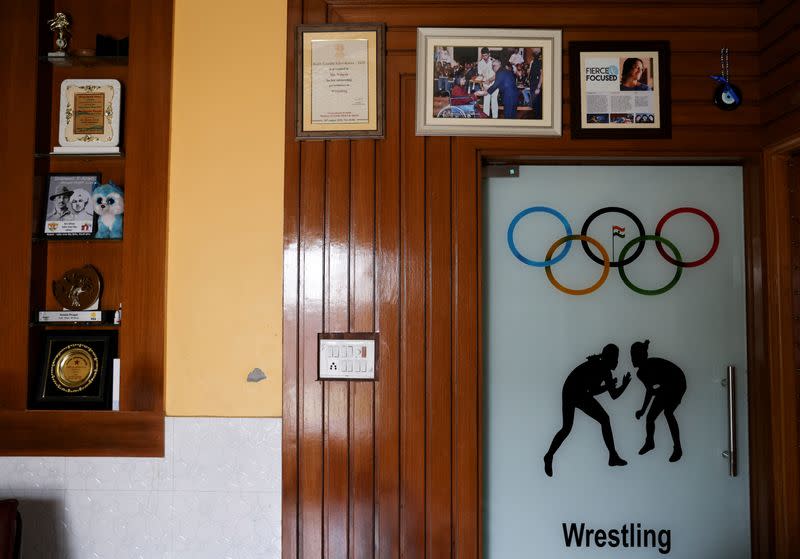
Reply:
x=340, y=77
x=620, y=90
x=89, y=117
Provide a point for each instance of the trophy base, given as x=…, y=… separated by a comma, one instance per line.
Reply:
x=57, y=54
x=85, y=150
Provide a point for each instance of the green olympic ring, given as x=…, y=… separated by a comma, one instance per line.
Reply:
x=637, y=289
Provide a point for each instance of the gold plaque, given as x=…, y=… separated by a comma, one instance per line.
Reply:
x=89, y=113
x=74, y=367
x=78, y=289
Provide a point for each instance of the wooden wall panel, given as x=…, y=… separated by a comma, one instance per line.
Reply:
x=384, y=235
x=387, y=322
x=362, y=319
x=413, y=338
x=18, y=36
x=779, y=44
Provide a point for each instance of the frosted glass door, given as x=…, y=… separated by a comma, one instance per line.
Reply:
x=605, y=412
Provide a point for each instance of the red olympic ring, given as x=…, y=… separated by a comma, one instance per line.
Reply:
x=694, y=263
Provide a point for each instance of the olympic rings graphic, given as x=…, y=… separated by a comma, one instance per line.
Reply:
x=582, y=239
x=678, y=269
x=714, y=230
x=547, y=261
x=621, y=262
x=606, y=261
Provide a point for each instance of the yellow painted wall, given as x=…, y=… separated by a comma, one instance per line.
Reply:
x=226, y=208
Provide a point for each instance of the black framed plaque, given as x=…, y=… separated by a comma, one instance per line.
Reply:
x=620, y=89
x=75, y=371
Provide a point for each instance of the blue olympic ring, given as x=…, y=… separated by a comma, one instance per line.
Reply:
x=539, y=263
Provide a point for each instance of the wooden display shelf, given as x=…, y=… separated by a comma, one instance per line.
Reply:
x=81, y=433
x=133, y=269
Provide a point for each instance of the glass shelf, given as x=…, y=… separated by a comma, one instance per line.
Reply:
x=85, y=61
x=87, y=156
x=58, y=240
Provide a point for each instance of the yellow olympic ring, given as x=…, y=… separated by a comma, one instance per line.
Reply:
x=591, y=288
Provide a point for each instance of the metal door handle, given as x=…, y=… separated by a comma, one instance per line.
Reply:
x=730, y=454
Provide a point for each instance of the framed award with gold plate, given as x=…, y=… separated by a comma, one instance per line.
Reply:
x=75, y=371
x=89, y=117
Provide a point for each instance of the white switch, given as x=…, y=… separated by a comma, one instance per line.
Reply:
x=348, y=357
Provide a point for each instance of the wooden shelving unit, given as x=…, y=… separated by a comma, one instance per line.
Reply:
x=133, y=269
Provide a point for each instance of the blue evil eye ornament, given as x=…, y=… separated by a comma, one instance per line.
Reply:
x=727, y=96
x=109, y=205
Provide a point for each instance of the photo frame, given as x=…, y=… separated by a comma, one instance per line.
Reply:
x=68, y=208
x=89, y=117
x=76, y=370
x=465, y=77
x=620, y=90
x=340, y=81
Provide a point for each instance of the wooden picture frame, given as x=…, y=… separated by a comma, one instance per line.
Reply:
x=340, y=81
x=465, y=76
x=620, y=90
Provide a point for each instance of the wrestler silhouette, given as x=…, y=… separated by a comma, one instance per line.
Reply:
x=586, y=381
x=665, y=384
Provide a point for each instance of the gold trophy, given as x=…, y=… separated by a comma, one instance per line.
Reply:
x=60, y=26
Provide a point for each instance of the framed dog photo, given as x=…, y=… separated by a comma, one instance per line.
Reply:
x=620, y=90
x=340, y=75
x=488, y=82
x=69, y=208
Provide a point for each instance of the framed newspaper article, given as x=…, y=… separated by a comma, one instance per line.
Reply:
x=620, y=90
x=488, y=82
x=340, y=74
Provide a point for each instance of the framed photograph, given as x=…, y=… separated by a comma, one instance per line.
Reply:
x=620, y=90
x=89, y=117
x=76, y=370
x=488, y=82
x=340, y=77
x=69, y=206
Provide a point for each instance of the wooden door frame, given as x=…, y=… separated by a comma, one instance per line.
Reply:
x=778, y=287
x=771, y=413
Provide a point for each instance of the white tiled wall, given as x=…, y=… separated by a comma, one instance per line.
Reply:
x=216, y=494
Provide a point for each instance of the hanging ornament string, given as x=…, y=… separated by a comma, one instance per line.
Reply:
x=723, y=62
x=727, y=96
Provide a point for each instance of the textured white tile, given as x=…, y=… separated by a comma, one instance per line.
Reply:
x=214, y=454
x=115, y=474
x=118, y=525
x=42, y=516
x=240, y=525
x=31, y=473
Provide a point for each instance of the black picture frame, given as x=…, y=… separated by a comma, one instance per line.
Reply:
x=60, y=227
x=655, y=123
x=45, y=392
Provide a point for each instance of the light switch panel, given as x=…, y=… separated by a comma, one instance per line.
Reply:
x=348, y=356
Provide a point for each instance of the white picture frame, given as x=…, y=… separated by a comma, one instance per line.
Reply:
x=89, y=116
x=454, y=81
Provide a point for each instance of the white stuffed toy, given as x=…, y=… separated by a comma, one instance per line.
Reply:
x=109, y=205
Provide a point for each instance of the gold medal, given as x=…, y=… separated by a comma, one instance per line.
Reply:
x=74, y=368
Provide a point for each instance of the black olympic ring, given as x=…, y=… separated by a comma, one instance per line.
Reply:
x=614, y=209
